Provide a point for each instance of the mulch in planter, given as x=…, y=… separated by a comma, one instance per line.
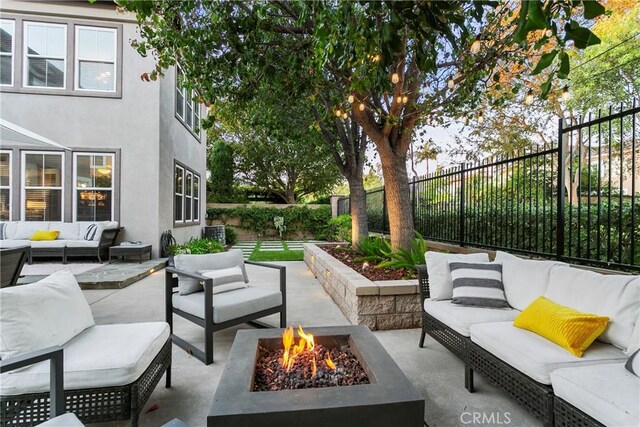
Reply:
x=369, y=271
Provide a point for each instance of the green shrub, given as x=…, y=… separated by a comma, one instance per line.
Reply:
x=407, y=259
x=197, y=246
x=260, y=219
x=231, y=235
x=338, y=229
x=374, y=248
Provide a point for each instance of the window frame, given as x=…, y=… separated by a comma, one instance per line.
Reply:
x=77, y=59
x=75, y=187
x=189, y=97
x=12, y=55
x=10, y=186
x=25, y=55
x=24, y=188
x=195, y=219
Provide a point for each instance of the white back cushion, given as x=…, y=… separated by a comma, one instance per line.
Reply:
x=524, y=280
x=196, y=263
x=615, y=296
x=10, y=230
x=440, y=282
x=25, y=230
x=39, y=315
x=68, y=230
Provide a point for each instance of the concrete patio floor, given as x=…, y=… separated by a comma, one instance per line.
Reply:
x=435, y=372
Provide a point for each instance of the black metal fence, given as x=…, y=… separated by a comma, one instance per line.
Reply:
x=577, y=201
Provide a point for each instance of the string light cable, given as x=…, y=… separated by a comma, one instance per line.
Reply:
x=606, y=51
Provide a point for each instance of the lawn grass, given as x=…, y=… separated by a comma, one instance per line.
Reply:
x=285, y=255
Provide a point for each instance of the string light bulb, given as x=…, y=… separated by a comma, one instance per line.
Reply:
x=405, y=99
x=345, y=115
x=350, y=99
x=451, y=83
x=376, y=58
x=361, y=106
x=480, y=117
x=548, y=33
x=395, y=78
x=338, y=113
x=565, y=93
x=529, y=98
x=475, y=46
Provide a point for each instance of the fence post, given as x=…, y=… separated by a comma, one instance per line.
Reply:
x=561, y=194
x=413, y=202
x=461, y=209
x=384, y=210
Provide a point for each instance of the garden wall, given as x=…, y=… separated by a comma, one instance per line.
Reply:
x=389, y=304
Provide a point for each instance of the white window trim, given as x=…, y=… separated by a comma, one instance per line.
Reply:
x=75, y=181
x=25, y=55
x=13, y=50
x=188, y=196
x=175, y=193
x=24, y=188
x=77, y=59
x=195, y=213
x=189, y=96
x=10, y=187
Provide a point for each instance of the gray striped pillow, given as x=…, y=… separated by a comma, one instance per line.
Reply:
x=478, y=284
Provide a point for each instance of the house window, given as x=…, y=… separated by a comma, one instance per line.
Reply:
x=42, y=185
x=45, y=52
x=179, y=194
x=5, y=186
x=7, y=34
x=187, y=196
x=93, y=186
x=95, y=66
x=187, y=106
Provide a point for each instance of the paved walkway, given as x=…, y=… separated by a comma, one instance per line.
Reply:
x=247, y=247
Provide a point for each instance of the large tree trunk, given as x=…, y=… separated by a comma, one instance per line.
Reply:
x=359, y=226
x=398, y=197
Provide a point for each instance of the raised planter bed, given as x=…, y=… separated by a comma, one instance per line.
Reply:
x=380, y=305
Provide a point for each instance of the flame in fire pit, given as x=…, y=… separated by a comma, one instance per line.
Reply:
x=306, y=343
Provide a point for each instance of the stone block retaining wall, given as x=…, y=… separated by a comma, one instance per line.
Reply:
x=389, y=304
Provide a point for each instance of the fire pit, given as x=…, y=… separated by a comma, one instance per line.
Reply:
x=338, y=376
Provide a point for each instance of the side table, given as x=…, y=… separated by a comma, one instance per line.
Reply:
x=130, y=251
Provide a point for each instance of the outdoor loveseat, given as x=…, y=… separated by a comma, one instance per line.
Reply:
x=109, y=370
x=75, y=239
x=557, y=387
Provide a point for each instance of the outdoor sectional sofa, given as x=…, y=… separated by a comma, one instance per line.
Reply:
x=75, y=238
x=555, y=386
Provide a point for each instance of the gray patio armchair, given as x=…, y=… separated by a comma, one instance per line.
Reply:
x=214, y=310
x=11, y=263
x=58, y=417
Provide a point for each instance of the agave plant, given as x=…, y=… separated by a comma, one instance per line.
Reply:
x=374, y=248
x=407, y=258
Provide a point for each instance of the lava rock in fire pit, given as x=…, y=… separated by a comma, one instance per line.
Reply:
x=270, y=375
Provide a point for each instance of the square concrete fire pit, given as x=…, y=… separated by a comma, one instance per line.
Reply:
x=390, y=399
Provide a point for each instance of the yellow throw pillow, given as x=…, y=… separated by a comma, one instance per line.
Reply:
x=572, y=330
x=45, y=235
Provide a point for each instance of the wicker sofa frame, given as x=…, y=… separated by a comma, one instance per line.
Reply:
x=567, y=415
x=535, y=397
x=206, y=356
x=91, y=405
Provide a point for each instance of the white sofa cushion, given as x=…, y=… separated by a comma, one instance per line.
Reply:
x=460, y=318
x=534, y=355
x=25, y=229
x=10, y=243
x=230, y=305
x=101, y=356
x=524, y=279
x=195, y=263
x=42, y=314
x=615, y=296
x=606, y=392
x=440, y=282
x=68, y=230
x=43, y=244
x=10, y=229
x=65, y=420
x=82, y=243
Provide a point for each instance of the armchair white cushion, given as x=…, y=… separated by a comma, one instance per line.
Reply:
x=524, y=280
x=615, y=296
x=42, y=314
x=440, y=282
x=101, y=356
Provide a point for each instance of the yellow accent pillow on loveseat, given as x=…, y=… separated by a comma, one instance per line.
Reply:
x=572, y=330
